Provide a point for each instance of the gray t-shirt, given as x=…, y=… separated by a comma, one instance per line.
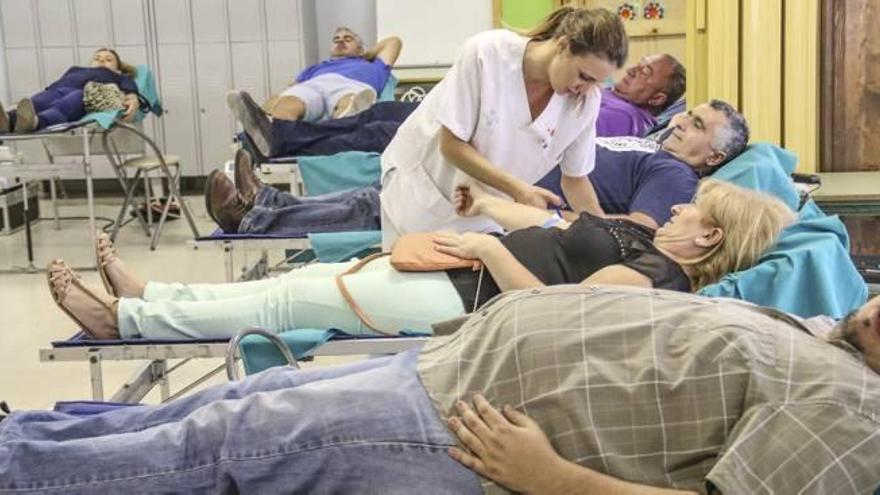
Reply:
x=670, y=389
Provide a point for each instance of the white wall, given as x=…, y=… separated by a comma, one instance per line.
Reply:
x=432, y=31
x=4, y=86
x=359, y=15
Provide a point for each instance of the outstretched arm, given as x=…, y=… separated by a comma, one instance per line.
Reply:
x=388, y=49
x=510, y=448
x=463, y=155
x=472, y=200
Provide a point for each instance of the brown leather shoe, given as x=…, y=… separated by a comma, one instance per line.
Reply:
x=223, y=202
x=246, y=181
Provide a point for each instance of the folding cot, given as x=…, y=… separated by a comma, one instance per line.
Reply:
x=117, y=141
x=808, y=272
x=311, y=175
x=318, y=175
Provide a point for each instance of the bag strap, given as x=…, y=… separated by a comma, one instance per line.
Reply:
x=355, y=307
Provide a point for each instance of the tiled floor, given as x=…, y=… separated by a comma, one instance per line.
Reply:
x=29, y=319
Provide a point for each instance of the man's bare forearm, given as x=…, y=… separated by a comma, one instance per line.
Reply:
x=572, y=479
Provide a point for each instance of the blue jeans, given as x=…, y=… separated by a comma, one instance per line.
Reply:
x=58, y=105
x=367, y=427
x=370, y=130
x=279, y=212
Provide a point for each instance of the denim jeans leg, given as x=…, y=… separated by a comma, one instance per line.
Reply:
x=56, y=426
x=374, y=430
x=271, y=197
x=354, y=209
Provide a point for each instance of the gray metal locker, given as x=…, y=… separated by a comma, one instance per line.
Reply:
x=54, y=23
x=93, y=23
x=198, y=50
x=215, y=122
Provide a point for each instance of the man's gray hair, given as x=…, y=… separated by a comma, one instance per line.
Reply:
x=733, y=138
x=357, y=37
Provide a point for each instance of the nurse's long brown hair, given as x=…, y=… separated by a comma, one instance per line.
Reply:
x=589, y=31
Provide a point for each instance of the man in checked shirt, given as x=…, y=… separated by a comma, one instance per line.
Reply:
x=602, y=390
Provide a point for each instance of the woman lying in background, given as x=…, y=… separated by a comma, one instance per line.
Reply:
x=107, y=85
x=727, y=228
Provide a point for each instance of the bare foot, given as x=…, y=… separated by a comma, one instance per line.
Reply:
x=119, y=280
x=93, y=310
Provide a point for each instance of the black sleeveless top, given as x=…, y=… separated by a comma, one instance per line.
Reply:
x=569, y=256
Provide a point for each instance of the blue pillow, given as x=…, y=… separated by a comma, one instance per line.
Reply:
x=809, y=271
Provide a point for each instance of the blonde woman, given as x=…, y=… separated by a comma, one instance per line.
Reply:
x=63, y=102
x=510, y=109
x=726, y=229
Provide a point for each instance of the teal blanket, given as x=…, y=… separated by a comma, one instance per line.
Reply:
x=346, y=170
x=809, y=272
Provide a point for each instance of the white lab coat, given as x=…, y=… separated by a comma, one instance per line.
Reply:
x=482, y=100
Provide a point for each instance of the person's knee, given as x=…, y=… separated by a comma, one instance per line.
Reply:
x=286, y=107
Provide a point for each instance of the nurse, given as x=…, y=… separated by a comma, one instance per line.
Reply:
x=510, y=109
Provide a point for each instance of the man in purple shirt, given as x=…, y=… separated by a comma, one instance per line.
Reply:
x=649, y=87
x=627, y=109
x=345, y=84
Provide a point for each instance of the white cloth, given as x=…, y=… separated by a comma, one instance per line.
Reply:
x=482, y=100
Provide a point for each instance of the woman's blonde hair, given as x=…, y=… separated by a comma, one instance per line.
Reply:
x=751, y=222
x=595, y=31
x=125, y=68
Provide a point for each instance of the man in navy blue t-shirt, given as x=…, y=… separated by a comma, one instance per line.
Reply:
x=634, y=178
x=641, y=180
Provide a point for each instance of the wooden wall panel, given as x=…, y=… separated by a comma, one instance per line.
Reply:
x=713, y=52
x=851, y=102
x=800, y=124
x=762, y=68
x=852, y=96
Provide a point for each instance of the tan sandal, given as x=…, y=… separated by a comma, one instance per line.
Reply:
x=105, y=253
x=61, y=279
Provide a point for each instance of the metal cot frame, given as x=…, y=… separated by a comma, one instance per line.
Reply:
x=76, y=140
x=158, y=356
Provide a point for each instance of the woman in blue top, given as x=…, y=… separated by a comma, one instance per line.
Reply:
x=63, y=101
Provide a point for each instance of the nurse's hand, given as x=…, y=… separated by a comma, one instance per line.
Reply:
x=537, y=197
x=469, y=199
x=468, y=246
